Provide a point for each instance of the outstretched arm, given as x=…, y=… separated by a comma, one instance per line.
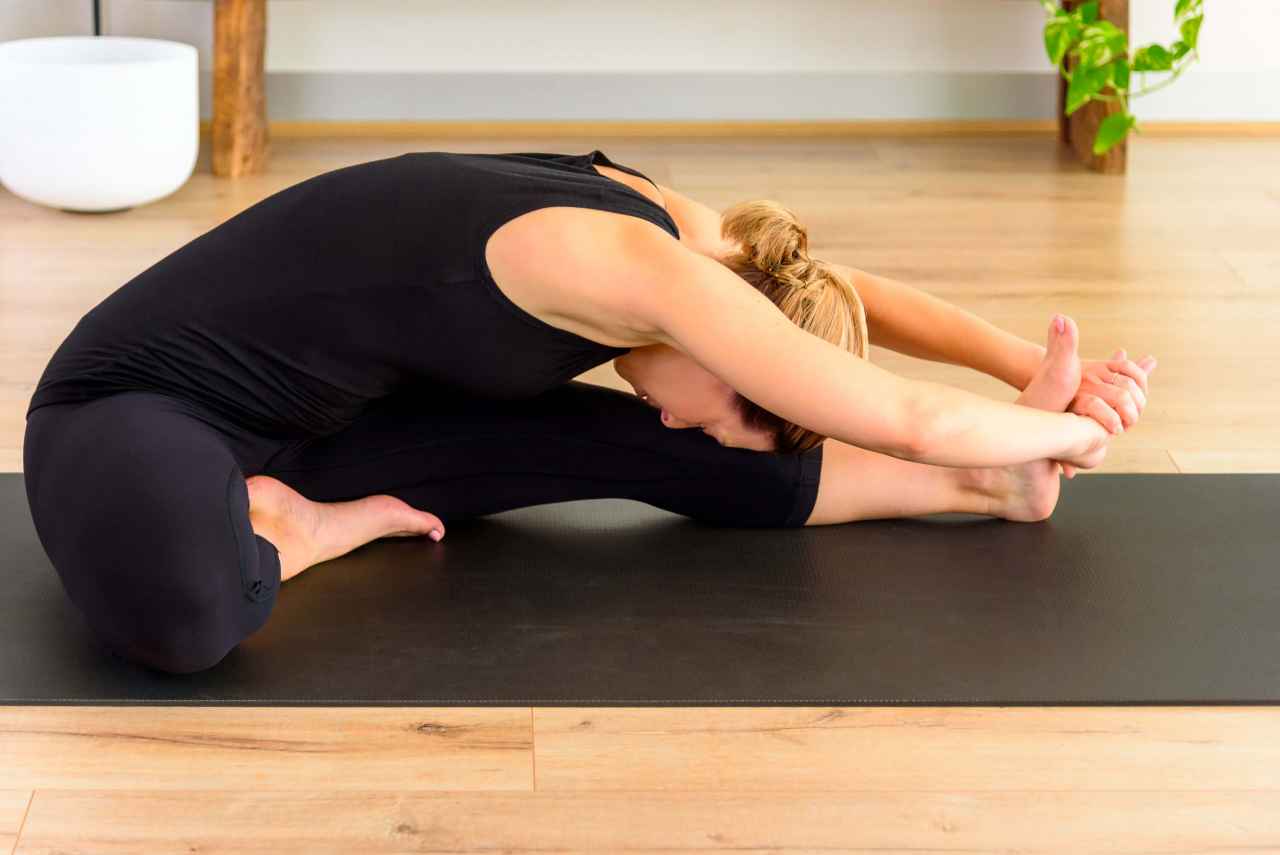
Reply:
x=913, y=322
x=908, y=320
x=899, y=317
x=689, y=301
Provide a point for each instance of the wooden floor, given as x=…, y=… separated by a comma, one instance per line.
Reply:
x=1180, y=258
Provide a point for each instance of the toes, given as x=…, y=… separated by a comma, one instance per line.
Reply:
x=402, y=519
x=1066, y=338
x=424, y=522
x=1070, y=335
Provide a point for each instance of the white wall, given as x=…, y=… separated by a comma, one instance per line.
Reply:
x=1238, y=78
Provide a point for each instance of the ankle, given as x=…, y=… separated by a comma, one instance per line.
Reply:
x=980, y=490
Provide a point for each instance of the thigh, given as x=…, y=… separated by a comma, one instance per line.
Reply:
x=459, y=456
x=141, y=505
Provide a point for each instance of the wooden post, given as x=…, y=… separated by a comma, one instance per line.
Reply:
x=239, y=126
x=1079, y=129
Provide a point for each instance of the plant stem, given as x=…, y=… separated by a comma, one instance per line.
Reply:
x=1177, y=71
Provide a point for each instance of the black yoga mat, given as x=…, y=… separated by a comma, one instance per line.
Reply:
x=1141, y=589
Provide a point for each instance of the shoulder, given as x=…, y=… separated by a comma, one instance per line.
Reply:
x=594, y=269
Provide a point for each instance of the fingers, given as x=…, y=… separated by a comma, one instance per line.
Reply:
x=1100, y=411
x=1135, y=391
x=1106, y=415
x=1131, y=370
x=1124, y=401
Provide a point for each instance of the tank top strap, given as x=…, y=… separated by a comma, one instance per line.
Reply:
x=548, y=180
x=597, y=156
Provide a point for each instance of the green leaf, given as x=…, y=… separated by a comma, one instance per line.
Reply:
x=1088, y=11
x=1113, y=129
x=1180, y=9
x=1190, y=30
x=1118, y=41
x=1180, y=49
x=1085, y=82
x=1094, y=54
x=1101, y=41
x=1057, y=40
x=1103, y=28
x=1120, y=77
x=1152, y=58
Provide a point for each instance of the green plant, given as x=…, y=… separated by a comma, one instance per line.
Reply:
x=1100, y=51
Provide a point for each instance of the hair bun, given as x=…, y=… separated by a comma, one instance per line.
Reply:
x=771, y=236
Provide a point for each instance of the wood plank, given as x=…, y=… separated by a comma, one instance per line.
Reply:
x=267, y=748
x=13, y=812
x=1224, y=460
x=1115, y=821
x=902, y=748
x=1259, y=270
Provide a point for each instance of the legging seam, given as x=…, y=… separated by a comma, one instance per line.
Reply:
x=255, y=589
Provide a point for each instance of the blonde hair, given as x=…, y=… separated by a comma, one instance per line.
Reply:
x=774, y=258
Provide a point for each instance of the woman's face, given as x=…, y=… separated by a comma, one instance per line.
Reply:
x=688, y=395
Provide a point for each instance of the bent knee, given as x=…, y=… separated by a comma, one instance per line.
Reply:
x=179, y=657
x=177, y=635
x=178, y=649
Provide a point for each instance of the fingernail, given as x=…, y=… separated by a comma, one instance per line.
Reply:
x=1058, y=323
x=436, y=534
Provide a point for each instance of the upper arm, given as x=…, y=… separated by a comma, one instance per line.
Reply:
x=698, y=305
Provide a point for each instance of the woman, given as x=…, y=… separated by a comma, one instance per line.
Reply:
x=396, y=339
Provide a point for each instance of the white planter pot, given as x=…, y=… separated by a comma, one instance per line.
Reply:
x=97, y=123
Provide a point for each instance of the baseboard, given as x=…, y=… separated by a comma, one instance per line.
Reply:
x=728, y=128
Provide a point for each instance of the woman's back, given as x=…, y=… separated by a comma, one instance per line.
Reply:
x=292, y=316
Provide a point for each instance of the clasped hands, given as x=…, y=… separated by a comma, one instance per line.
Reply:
x=1113, y=392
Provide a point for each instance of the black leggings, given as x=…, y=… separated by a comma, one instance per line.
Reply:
x=139, y=498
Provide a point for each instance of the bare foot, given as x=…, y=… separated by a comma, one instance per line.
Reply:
x=306, y=532
x=1029, y=492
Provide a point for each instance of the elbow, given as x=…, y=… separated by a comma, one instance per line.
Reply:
x=919, y=434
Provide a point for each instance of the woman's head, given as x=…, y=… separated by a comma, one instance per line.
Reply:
x=773, y=257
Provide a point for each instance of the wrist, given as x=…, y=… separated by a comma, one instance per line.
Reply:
x=1082, y=434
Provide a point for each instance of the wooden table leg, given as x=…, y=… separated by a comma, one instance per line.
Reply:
x=239, y=126
x=1079, y=129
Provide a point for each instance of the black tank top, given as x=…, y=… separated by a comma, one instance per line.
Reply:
x=295, y=314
